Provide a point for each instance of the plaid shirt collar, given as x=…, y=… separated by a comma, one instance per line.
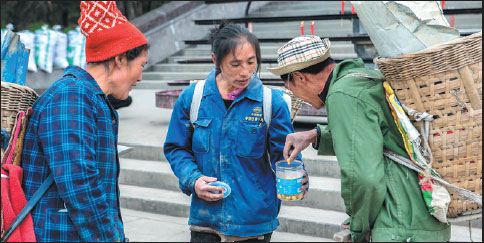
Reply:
x=80, y=73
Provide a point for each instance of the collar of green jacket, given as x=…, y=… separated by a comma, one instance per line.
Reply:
x=347, y=66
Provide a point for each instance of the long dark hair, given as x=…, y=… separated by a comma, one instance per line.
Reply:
x=225, y=38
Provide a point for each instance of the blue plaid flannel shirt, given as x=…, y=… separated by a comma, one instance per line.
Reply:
x=73, y=135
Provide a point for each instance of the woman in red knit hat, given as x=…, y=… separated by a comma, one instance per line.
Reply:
x=73, y=133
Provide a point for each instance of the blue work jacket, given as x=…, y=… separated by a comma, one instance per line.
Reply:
x=230, y=144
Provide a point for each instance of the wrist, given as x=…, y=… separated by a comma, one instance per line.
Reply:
x=194, y=183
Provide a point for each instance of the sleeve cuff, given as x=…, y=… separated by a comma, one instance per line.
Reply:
x=325, y=141
x=358, y=237
x=318, y=136
x=194, y=179
x=189, y=188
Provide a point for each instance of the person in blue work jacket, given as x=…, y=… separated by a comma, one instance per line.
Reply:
x=229, y=141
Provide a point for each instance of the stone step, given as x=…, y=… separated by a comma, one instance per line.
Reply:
x=173, y=59
x=141, y=226
x=270, y=46
x=308, y=9
x=203, y=67
x=303, y=12
x=192, y=75
x=277, y=44
x=330, y=24
x=144, y=152
x=316, y=165
x=284, y=5
x=462, y=22
x=462, y=4
x=285, y=31
x=157, y=85
x=294, y=32
x=289, y=30
x=293, y=219
x=316, y=9
x=324, y=192
x=200, y=51
x=144, y=173
x=334, y=7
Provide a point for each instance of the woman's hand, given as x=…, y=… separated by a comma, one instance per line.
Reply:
x=305, y=184
x=297, y=142
x=202, y=189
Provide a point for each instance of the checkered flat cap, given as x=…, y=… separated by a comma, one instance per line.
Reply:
x=301, y=52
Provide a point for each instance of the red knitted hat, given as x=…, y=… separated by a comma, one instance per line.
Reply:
x=108, y=33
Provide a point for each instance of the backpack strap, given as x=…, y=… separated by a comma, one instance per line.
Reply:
x=197, y=98
x=364, y=75
x=267, y=105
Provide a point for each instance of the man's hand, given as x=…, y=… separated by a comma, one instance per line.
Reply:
x=203, y=190
x=297, y=142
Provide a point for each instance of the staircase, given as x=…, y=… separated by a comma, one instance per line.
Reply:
x=147, y=181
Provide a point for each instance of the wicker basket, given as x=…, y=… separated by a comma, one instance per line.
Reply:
x=15, y=98
x=446, y=81
x=296, y=102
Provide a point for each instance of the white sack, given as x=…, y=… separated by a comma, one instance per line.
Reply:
x=401, y=27
x=28, y=38
x=45, y=40
x=76, y=54
x=60, y=55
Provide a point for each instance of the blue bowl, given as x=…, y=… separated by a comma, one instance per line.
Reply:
x=226, y=191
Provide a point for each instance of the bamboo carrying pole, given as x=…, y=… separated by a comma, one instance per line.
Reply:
x=416, y=95
x=471, y=90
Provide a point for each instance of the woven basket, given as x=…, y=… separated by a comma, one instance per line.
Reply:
x=296, y=102
x=446, y=81
x=15, y=98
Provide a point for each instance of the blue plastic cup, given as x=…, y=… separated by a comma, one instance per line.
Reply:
x=226, y=191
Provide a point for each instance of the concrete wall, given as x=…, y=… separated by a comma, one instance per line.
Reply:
x=165, y=28
x=167, y=39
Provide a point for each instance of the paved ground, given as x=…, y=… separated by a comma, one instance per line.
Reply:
x=148, y=227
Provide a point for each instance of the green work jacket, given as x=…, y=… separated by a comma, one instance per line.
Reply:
x=380, y=195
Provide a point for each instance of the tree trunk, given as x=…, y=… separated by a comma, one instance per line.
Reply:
x=120, y=5
x=139, y=8
x=130, y=10
x=49, y=13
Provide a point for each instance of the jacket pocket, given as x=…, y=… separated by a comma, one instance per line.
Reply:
x=59, y=226
x=250, y=141
x=201, y=136
x=254, y=205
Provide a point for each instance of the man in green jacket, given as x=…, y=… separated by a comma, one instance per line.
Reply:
x=382, y=198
